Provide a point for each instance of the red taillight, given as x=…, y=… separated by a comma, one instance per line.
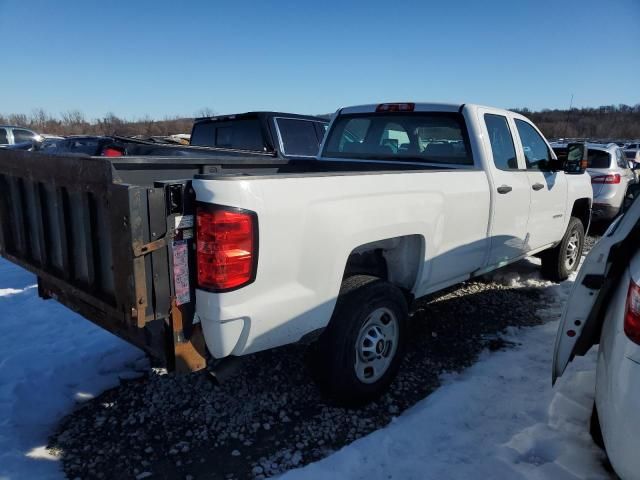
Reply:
x=226, y=247
x=396, y=107
x=112, y=152
x=615, y=178
x=632, y=314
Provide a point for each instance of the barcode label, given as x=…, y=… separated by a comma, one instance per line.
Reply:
x=181, y=272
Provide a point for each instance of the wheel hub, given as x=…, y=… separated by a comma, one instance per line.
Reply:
x=573, y=250
x=376, y=345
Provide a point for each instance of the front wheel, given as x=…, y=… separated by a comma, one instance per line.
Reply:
x=359, y=353
x=561, y=261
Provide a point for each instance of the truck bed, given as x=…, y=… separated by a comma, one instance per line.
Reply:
x=111, y=238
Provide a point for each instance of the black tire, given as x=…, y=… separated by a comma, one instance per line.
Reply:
x=594, y=428
x=555, y=266
x=333, y=357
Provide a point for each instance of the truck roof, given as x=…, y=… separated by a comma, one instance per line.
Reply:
x=417, y=107
x=267, y=114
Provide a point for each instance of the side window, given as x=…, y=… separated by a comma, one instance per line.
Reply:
x=536, y=152
x=299, y=137
x=504, y=153
x=20, y=136
x=4, y=138
x=622, y=162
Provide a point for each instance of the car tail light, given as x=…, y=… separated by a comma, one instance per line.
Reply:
x=112, y=152
x=615, y=178
x=226, y=247
x=396, y=107
x=632, y=314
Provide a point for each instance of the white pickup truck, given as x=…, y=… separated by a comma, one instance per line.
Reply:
x=404, y=200
x=444, y=193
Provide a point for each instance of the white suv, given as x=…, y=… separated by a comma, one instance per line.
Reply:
x=610, y=178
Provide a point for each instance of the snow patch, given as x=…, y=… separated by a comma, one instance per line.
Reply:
x=51, y=359
x=499, y=419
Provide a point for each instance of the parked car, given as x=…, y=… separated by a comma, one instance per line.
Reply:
x=610, y=178
x=604, y=308
x=198, y=259
x=11, y=135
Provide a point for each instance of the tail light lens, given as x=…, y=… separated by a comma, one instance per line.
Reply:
x=632, y=314
x=614, y=179
x=226, y=247
x=112, y=152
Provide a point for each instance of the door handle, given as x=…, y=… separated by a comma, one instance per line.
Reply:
x=537, y=186
x=504, y=189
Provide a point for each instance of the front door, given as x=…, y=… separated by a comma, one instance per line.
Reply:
x=547, y=215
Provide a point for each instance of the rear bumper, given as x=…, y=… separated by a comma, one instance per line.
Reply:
x=603, y=211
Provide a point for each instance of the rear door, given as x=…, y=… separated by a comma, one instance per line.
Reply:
x=510, y=188
x=547, y=221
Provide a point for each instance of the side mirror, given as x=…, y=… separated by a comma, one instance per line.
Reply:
x=577, y=158
x=555, y=165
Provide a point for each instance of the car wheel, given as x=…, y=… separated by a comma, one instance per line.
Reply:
x=561, y=261
x=359, y=353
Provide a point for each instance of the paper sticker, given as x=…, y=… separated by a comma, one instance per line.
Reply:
x=181, y=272
x=184, y=221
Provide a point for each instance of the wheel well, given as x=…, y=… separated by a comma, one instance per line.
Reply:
x=582, y=211
x=396, y=260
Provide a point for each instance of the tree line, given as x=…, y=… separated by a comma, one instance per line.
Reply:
x=605, y=122
x=74, y=122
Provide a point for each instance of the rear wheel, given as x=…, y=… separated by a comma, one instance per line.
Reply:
x=359, y=353
x=561, y=261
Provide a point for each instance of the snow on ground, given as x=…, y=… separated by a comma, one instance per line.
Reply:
x=499, y=419
x=50, y=359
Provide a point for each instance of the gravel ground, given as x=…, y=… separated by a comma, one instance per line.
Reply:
x=270, y=417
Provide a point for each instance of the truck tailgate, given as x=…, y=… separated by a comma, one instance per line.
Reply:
x=118, y=254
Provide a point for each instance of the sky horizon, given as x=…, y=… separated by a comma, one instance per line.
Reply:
x=153, y=59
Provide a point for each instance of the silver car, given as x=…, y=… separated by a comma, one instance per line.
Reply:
x=610, y=179
x=10, y=135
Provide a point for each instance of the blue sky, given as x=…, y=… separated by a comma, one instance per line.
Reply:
x=156, y=58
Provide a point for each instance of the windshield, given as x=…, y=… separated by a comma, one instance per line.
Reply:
x=417, y=137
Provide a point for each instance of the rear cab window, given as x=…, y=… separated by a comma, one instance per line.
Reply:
x=298, y=137
x=240, y=134
x=4, y=138
x=425, y=137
